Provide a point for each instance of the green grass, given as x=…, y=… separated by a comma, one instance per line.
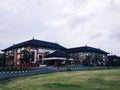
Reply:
x=74, y=80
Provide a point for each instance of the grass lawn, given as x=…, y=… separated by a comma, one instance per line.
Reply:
x=74, y=80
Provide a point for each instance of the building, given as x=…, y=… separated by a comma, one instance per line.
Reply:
x=43, y=52
x=113, y=60
x=38, y=49
x=0, y=55
x=88, y=55
x=0, y=60
x=58, y=58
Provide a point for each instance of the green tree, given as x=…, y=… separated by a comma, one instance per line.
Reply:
x=98, y=60
x=26, y=57
x=3, y=61
x=10, y=61
x=87, y=60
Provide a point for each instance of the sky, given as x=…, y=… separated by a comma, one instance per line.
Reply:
x=71, y=23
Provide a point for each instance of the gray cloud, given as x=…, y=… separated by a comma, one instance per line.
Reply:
x=69, y=22
x=79, y=21
x=115, y=34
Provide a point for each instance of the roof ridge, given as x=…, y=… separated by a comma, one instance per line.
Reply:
x=37, y=43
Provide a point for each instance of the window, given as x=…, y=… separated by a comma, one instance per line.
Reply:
x=19, y=50
x=18, y=58
x=33, y=56
x=40, y=50
x=40, y=59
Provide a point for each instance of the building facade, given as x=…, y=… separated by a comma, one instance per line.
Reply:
x=49, y=53
x=88, y=55
x=113, y=60
x=58, y=58
x=38, y=49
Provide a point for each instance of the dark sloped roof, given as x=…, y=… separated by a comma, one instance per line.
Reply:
x=36, y=43
x=113, y=57
x=57, y=54
x=86, y=49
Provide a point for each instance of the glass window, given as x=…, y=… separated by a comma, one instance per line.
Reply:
x=19, y=50
x=33, y=56
x=40, y=59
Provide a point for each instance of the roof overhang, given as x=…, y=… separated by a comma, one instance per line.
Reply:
x=58, y=58
x=37, y=43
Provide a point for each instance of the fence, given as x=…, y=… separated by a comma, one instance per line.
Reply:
x=41, y=70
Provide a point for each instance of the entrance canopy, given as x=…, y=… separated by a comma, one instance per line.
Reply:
x=58, y=58
x=58, y=55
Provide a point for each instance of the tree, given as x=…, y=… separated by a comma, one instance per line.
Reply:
x=3, y=60
x=97, y=60
x=87, y=60
x=26, y=57
x=10, y=61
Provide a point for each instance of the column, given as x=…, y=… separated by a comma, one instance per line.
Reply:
x=37, y=56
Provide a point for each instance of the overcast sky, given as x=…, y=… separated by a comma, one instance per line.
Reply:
x=71, y=23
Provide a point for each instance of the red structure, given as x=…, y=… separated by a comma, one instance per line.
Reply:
x=38, y=49
x=49, y=53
